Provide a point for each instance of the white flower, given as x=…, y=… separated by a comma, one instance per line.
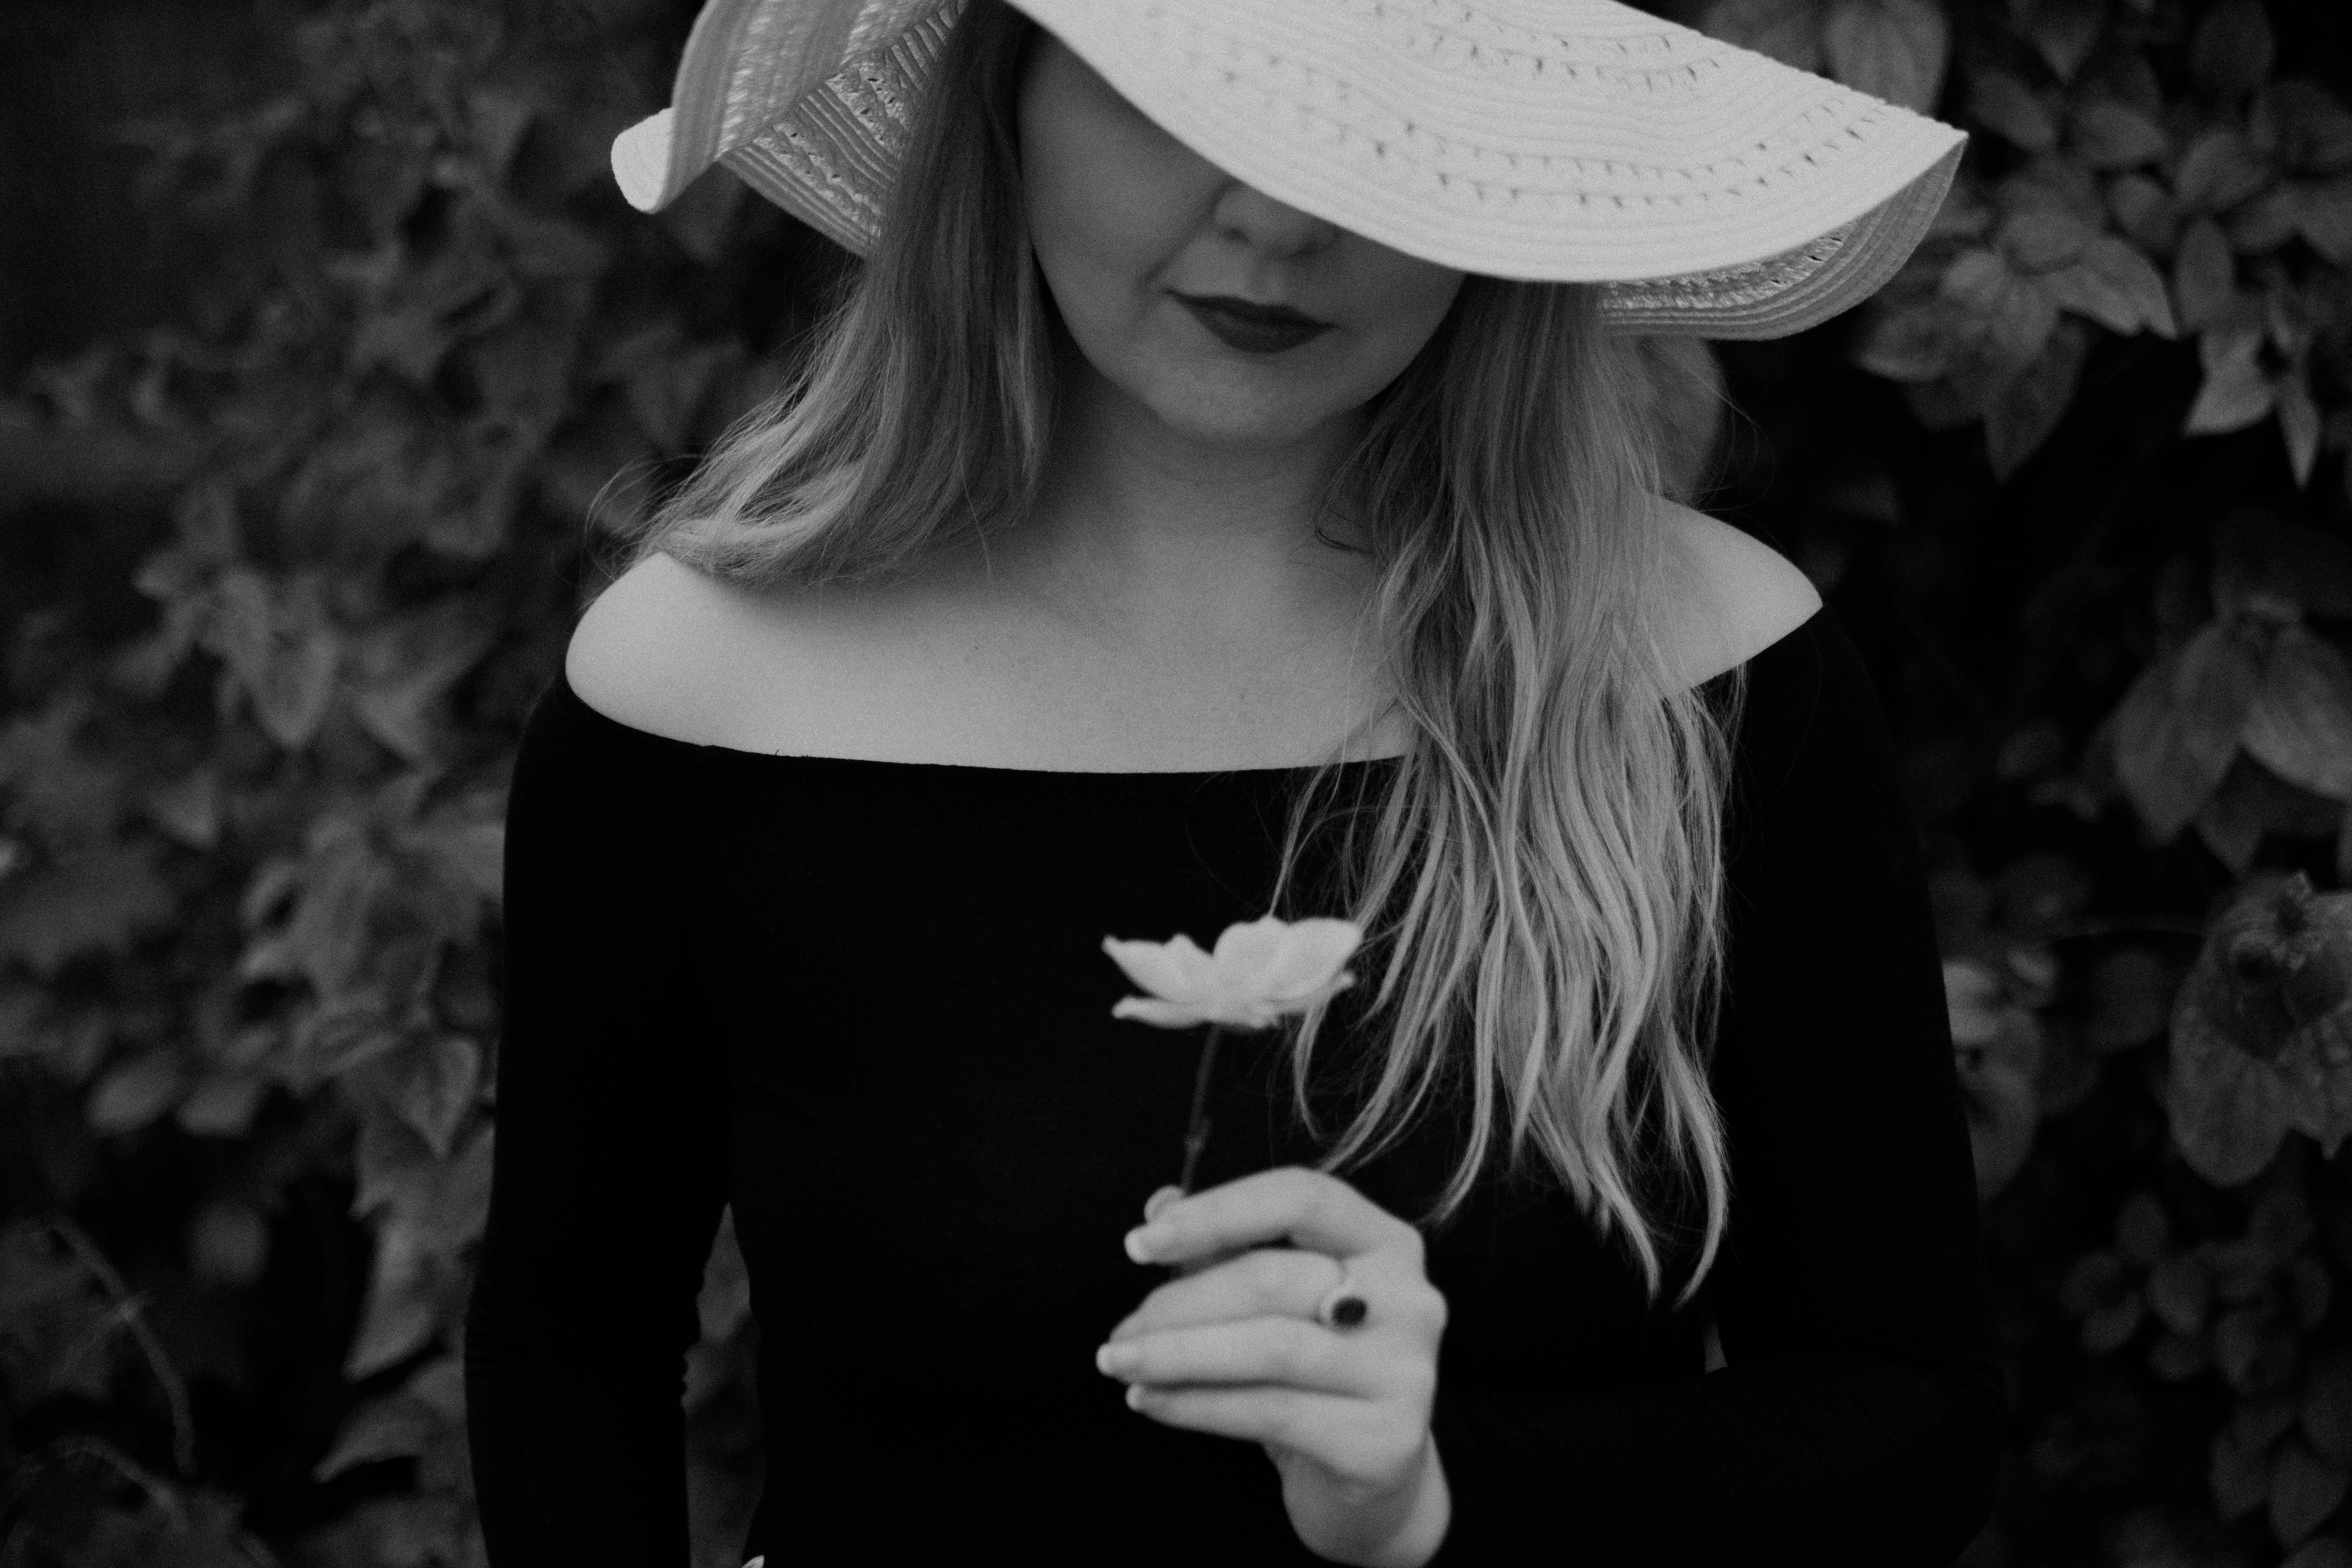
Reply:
x=1261, y=971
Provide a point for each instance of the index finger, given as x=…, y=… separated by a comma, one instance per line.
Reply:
x=1309, y=1209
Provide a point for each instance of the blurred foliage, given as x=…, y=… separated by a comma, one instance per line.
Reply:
x=282, y=575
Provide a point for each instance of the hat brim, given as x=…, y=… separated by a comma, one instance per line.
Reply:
x=1705, y=188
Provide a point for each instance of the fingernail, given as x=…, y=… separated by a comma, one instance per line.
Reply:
x=1112, y=1360
x=1144, y=1242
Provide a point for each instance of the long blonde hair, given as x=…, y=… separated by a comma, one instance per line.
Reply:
x=1556, y=832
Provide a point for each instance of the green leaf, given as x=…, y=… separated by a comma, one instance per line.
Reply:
x=402, y=1312
x=1940, y=405
x=1964, y=213
x=2312, y=132
x=2204, y=276
x=2031, y=406
x=2064, y=31
x=2300, y=722
x=2107, y=135
x=2236, y=393
x=2304, y=1489
x=2213, y=689
x=703, y=216
x=2220, y=170
x=2299, y=423
x=1904, y=342
x=2234, y=49
x=2037, y=241
x=228, y=1243
x=2115, y=285
x=436, y=1088
x=2144, y=210
x=2241, y=1268
x=55, y=789
x=498, y=116
x=2323, y=217
x=188, y=808
x=338, y=1039
x=2232, y=831
x=2167, y=768
x=665, y=391
x=550, y=248
x=393, y=1427
x=2229, y=1111
x=222, y=1105
x=277, y=643
x=2006, y=106
x=2108, y=1328
x=2013, y=315
x=2318, y=1071
x=1893, y=50
x=97, y=900
x=2050, y=183
x=402, y=668
x=2266, y=222
x=1997, y=1095
x=470, y=853
x=135, y=1092
x=2253, y=1353
x=1788, y=30
x=2181, y=1292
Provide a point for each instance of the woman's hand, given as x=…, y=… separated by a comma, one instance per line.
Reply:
x=1234, y=1347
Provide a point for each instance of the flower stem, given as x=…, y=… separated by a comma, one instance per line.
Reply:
x=1196, y=1130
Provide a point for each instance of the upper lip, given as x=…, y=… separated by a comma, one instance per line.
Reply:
x=1254, y=310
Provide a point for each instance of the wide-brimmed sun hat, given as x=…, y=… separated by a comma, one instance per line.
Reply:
x=1708, y=189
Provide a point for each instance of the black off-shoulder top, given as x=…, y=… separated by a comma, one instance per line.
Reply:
x=865, y=1003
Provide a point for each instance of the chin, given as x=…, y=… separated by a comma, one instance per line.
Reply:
x=1220, y=417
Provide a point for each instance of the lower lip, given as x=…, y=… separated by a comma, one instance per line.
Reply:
x=1253, y=337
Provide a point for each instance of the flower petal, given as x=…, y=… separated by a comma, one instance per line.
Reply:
x=1152, y=1010
x=1311, y=953
x=1176, y=968
x=1248, y=951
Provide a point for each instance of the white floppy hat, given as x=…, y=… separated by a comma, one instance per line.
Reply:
x=1708, y=189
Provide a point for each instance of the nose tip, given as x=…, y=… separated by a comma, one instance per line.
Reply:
x=1251, y=215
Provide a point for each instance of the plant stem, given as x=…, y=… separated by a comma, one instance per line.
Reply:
x=1196, y=1130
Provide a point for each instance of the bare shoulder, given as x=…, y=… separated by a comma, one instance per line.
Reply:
x=1737, y=594
x=666, y=647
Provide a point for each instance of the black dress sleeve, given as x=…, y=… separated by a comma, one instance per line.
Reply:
x=1858, y=1417
x=609, y=1171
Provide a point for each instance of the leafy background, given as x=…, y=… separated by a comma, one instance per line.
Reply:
x=331, y=357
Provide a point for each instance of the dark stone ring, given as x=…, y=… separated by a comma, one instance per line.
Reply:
x=1343, y=1308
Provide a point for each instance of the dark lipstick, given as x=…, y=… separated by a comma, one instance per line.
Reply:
x=1250, y=327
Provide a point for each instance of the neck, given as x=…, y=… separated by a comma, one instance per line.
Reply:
x=1156, y=538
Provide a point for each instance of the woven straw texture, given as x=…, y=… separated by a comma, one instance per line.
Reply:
x=1708, y=189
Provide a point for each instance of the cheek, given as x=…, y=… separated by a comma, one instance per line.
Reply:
x=1102, y=221
x=1405, y=299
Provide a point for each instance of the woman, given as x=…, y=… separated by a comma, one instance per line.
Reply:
x=1235, y=423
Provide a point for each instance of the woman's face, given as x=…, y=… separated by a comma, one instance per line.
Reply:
x=1128, y=223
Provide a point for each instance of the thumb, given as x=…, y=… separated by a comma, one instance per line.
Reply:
x=1160, y=1200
